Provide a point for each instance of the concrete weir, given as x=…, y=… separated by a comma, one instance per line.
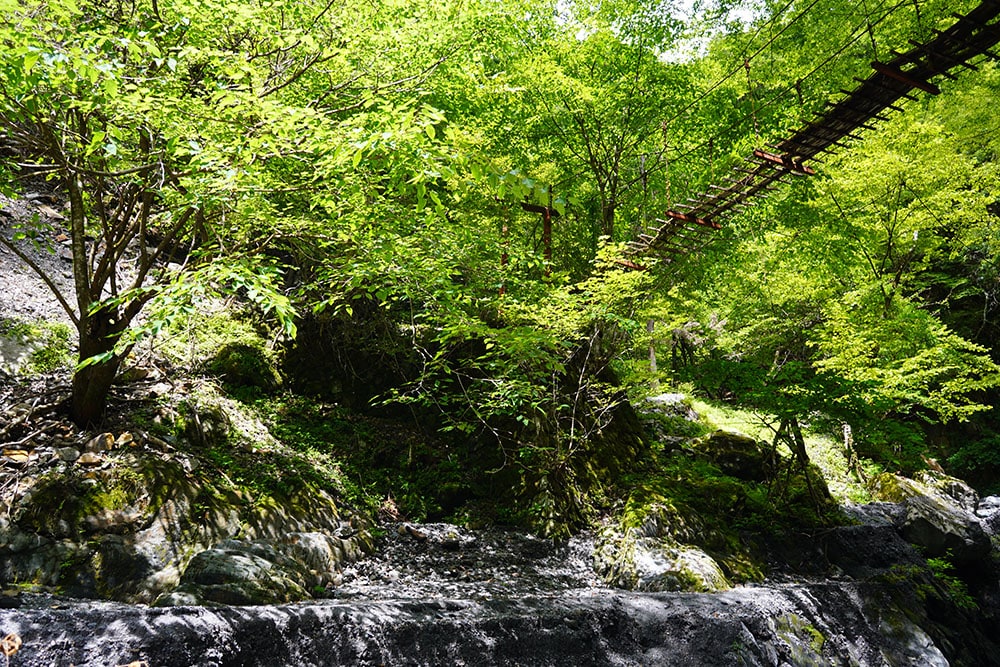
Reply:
x=795, y=624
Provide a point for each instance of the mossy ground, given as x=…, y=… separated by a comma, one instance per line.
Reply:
x=725, y=512
x=51, y=342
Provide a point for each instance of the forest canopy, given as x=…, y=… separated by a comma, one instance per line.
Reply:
x=431, y=205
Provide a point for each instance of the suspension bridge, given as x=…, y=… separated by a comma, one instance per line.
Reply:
x=688, y=227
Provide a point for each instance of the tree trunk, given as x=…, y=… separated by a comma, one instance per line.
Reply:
x=798, y=442
x=90, y=391
x=651, y=328
x=99, y=333
x=608, y=218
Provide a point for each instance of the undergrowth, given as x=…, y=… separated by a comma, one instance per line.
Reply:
x=384, y=465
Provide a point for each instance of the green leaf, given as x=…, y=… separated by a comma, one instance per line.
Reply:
x=30, y=59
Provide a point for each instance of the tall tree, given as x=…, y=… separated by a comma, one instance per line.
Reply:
x=164, y=125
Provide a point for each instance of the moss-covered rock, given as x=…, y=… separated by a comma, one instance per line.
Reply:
x=653, y=548
x=238, y=573
x=265, y=571
x=804, y=641
x=245, y=364
x=738, y=455
x=933, y=518
x=124, y=521
x=227, y=345
x=656, y=564
x=953, y=487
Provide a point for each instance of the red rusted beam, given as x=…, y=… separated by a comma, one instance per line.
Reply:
x=784, y=161
x=690, y=218
x=900, y=75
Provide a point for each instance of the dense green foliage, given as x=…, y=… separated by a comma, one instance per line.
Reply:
x=358, y=171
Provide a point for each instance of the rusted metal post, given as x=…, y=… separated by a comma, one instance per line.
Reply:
x=548, y=213
x=504, y=258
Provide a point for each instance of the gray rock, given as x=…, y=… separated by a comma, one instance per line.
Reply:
x=944, y=529
x=650, y=558
x=239, y=573
x=15, y=353
x=989, y=513
x=932, y=517
x=964, y=495
x=672, y=405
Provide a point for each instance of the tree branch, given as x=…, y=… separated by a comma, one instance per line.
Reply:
x=44, y=276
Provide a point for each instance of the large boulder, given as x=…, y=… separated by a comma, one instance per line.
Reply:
x=964, y=495
x=241, y=573
x=652, y=564
x=653, y=555
x=739, y=455
x=662, y=565
x=938, y=515
x=264, y=571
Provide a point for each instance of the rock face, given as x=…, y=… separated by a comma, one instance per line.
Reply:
x=108, y=524
x=791, y=625
x=938, y=515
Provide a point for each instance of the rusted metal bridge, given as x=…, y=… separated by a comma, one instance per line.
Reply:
x=690, y=226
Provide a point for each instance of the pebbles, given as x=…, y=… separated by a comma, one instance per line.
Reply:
x=24, y=294
x=443, y=561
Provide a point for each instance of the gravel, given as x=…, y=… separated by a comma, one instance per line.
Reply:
x=23, y=294
x=442, y=561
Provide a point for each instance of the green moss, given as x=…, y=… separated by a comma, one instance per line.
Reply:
x=55, y=353
x=51, y=342
x=801, y=635
x=60, y=504
x=245, y=364
x=227, y=346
